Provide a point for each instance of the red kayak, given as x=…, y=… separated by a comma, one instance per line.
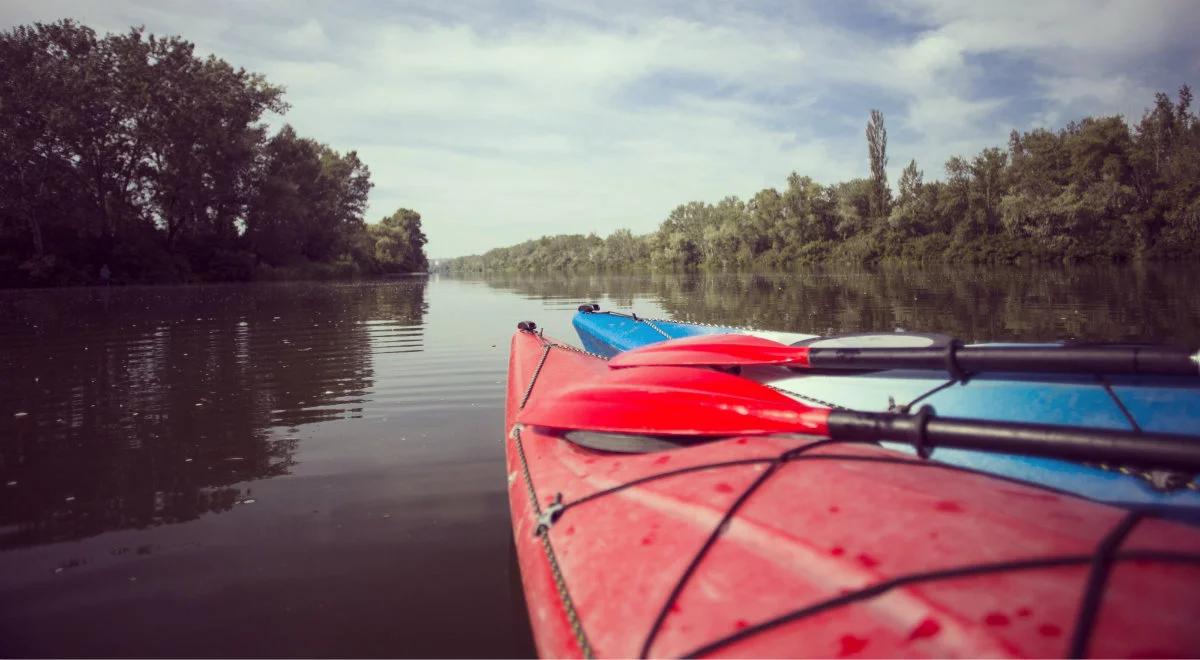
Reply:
x=779, y=545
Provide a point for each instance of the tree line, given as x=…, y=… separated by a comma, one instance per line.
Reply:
x=1096, y=190
x=129, y=157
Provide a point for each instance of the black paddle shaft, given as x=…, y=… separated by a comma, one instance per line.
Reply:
x=925, y=432
x=1162, y=360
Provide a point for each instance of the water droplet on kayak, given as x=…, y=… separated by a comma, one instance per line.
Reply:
x=1049, y=630
x=996, y=619
x=741, y=624
x=723, y=488
x=834, y=509
x=646, y=540
x=662, y=460
x=837, y=551
x=851, y=645
x=948, y=506
x=927, y=628
x=867, y=560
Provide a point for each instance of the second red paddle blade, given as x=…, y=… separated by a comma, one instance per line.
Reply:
x=713, y=350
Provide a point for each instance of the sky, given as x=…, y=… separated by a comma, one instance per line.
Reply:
x=505, y=121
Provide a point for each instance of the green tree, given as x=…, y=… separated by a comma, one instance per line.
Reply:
x=202, y=143
x=854, y=206
x=987, y=187
x=1166, y=175
x=909, y=214
x=400, y=243
x=880, y=199
x=308, y=201
x=62, y=144
x=810, y=212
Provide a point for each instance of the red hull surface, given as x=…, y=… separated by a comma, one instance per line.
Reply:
x=765, y=547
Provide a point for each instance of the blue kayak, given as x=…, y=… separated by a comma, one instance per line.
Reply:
x=1166, y=404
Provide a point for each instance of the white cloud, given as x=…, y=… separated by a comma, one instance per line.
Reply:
x=1107, y=29
x=307, y=36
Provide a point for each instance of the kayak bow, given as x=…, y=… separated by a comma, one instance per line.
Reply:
x=788, y=545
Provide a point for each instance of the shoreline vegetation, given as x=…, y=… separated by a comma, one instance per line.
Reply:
x=127, y=158
x=1097, y=190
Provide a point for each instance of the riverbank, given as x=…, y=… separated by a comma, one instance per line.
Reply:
x=50, y=273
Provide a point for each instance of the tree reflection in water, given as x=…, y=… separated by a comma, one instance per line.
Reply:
x=138, y=407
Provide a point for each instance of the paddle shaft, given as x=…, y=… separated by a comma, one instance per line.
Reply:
x=1164, y=360
x=1051, y=441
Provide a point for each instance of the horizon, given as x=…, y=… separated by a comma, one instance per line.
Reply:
x=504, y=122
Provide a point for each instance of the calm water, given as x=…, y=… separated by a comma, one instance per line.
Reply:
x=316, y=469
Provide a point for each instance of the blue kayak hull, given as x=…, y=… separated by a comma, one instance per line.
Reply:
x=1159, y=404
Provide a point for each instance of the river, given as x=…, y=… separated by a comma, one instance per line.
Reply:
x=305, y=469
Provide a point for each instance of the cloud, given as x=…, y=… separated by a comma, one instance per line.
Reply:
x=504, y=121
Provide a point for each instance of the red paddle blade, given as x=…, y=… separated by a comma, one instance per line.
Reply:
x=672, y=401
x=713, y=350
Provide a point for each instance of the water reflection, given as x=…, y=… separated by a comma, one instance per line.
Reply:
x=1138, y=302
x=152, y=406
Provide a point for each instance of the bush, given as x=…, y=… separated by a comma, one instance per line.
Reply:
x=231, y=266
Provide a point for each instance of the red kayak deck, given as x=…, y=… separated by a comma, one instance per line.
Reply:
x=771, y=546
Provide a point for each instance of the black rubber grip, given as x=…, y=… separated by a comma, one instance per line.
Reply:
x=1072, y=443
